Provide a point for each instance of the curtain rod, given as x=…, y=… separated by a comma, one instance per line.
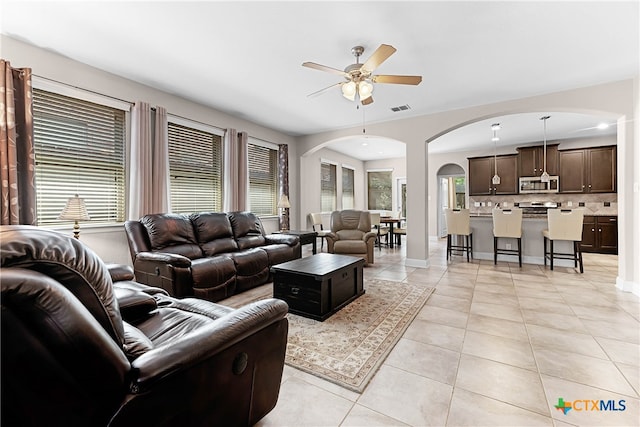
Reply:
x=129, y=102
x=86, y=90
x=196, y=121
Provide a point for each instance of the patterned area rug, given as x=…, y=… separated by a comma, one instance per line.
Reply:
x=349, y=347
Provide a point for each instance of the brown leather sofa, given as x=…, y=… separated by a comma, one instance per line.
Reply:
x=351, y=234
x=81, y=350
x=208, y=255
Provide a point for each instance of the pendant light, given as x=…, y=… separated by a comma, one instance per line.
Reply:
x=545, y=176
x=495, y=128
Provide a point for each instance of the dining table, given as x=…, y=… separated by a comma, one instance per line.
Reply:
x=391, y=221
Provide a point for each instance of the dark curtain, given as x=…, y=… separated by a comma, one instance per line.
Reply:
x=17, y=156
x=283, y=180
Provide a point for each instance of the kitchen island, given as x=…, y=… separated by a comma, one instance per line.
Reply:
x=532, y=241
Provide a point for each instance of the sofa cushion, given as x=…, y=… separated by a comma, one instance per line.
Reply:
x=134, y=304
x=213, y=277
x=213, y=232
x=172, y=233
x=279, y=253
x=247, y=229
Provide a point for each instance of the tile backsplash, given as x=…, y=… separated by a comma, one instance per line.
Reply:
x=594, y=204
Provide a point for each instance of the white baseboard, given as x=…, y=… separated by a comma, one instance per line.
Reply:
x=628, y=286
x=418, y=263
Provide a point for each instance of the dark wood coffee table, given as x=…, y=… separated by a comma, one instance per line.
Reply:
x=317, y=286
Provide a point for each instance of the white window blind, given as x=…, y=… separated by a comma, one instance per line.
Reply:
x=348, y=189
x=195, y=168
x=379, y=190
x=328, y=187
x=79, y=149
x=263, y=179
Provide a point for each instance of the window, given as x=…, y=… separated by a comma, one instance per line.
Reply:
x=379, y=190
x=79, y=149
x=348, y=192
x=328, y=187
x=195, y=168
x=263, y=179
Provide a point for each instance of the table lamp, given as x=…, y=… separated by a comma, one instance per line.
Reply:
x=284, y=204
x=75, y=210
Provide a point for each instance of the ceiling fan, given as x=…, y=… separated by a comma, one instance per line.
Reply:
x=359, y=77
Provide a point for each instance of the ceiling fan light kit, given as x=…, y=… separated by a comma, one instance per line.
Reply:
x=360, y=78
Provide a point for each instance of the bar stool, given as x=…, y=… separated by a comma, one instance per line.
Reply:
x=564, y=224
x=458, y=224
x=316, y=221
x=507, y=223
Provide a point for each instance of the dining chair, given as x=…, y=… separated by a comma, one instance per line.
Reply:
x=401, y=229
x=380, y=230
x=316, y=225
x=458, y=224
x=564, y=224
x=507, y=223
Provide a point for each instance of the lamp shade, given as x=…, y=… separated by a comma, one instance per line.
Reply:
x=284, y=202
x=75, y=210
x=349, y=90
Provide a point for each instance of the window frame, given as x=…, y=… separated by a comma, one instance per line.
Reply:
x=273, y=150
x=372, y=199
x=330, y=186
x=217, y=167
x=352, y=192
x=106, y=202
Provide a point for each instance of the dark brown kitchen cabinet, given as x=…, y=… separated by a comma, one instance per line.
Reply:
x=531, y=160
x=600, y=234
x=482, y=169
x=589, y=170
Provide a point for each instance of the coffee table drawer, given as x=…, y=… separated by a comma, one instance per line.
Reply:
x=300, y=299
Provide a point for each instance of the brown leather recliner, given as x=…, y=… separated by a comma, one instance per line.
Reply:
x=351, y=234
x=81, y=350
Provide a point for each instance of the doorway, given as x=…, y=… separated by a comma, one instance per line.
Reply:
x=451, y=193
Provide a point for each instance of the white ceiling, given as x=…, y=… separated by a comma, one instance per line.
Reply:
x=244, y=58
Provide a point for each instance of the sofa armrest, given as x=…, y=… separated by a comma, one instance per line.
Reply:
x=193, y=349
x=167, y=271
x=119, y=272
x=369, y=236
x=287, y=239
x=164, y=258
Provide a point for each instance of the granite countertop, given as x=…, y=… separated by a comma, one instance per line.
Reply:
x=534, y=216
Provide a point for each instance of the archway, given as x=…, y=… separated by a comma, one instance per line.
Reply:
x=451, y=192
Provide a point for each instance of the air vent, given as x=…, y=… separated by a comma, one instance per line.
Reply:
x=400, y=108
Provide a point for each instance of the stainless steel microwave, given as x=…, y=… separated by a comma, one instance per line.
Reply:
x=534, y=184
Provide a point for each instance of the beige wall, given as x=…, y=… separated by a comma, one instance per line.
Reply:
x=110, y=242
x=310, y=183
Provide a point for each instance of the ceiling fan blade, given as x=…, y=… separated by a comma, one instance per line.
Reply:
x=378, y=57
x=324, y=68
x=321, y=91
x=401, y=80
x=367, y=101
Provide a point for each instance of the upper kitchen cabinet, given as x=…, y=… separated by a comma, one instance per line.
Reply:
x=531, y=160
x=589, y=170
x=482, y=170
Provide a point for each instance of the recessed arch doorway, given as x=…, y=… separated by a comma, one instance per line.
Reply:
x=451, y=192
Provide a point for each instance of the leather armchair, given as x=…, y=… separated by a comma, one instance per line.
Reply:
x=78, y=349
x=351, y=234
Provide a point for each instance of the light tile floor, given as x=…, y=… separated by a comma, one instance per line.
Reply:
x=493, y=346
